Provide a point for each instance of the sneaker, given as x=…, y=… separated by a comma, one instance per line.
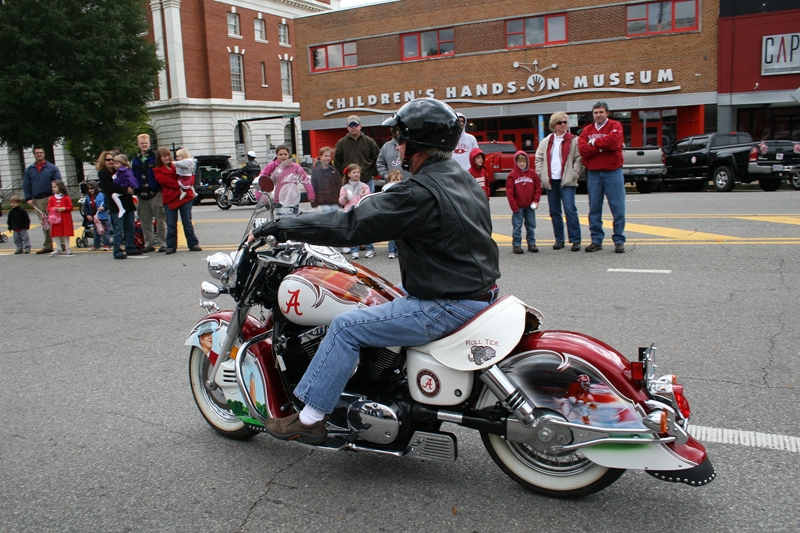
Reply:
x=18, y=252
x=619, y=248
x=54, y=253
x=106, y=248
x=355, y=255
x=532, y=248
x=169, y=251
x=162, y=249
x=148, y=249
x=558, y=245
x=345, y=250
x=93, y=249
x=195, y=248
x=518, y=250
x=594, y=247
x=370, y=253
x=121, y=256
x=392, y=256
x=576, y=247
x=27, y=251
x=290, y=428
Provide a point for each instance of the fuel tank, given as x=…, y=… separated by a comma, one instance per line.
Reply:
x=313, y=296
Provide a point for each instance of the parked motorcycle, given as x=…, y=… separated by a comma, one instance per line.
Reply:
x=561, y=413
x=225, y=196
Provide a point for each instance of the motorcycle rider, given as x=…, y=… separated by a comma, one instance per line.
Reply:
x=440, y=221
x=248, y=174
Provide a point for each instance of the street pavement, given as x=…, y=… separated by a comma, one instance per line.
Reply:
x=99, y=431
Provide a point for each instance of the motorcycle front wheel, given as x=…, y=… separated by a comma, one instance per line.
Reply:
x=568, y=475
x=212, y=404
x=222, y=202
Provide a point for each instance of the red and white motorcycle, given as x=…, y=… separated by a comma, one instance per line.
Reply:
x=560, y=412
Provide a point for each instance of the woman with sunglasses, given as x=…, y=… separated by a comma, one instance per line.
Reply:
x=167, y=176
x=558, y=164
x=105, y=179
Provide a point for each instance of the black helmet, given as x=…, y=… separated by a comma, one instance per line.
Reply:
x=426, y=122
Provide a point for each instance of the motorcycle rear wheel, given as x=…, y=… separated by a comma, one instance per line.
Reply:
x=212, y=404
x=570, y=475
x=222, y=202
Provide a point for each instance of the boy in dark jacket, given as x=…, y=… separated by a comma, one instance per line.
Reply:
x=523, y=190
x=19, y=222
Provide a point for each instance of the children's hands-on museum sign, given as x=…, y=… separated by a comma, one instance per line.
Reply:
x=780, y=54
x=537, y=86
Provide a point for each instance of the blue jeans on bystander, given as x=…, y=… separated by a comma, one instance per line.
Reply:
x=528, y=216
x=611, y=184
x=556, y=196
x=185, y=211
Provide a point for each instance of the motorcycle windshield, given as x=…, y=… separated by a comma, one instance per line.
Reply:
x=289, y=181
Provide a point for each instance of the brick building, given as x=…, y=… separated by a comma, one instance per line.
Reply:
x=759, y=68
x=226, y=61
x=508, y=64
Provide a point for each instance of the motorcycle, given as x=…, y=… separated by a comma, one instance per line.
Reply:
x=561, y=413
x=225, y=193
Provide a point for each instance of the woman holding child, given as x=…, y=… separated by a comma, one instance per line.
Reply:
x=177, y=200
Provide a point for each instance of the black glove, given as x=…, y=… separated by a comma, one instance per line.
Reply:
x=266, y=229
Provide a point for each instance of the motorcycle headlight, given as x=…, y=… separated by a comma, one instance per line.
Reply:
x=234, y=257
x=219, y=265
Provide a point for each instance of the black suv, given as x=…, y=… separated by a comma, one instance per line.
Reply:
x=207, y=171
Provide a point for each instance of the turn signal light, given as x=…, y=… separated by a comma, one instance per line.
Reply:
x=754, y=154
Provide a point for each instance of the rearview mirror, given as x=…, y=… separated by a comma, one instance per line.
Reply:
x=266, y=184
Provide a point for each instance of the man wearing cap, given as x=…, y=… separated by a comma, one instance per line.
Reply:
x=355, y=147
x=600, y=146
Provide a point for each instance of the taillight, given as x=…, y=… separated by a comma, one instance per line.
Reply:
x=754, y=154
x=664, y=157
x=683, y=403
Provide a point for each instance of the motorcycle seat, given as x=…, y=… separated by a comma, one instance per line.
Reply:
x=483, y=341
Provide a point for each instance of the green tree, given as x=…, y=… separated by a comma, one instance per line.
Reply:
x=76, y=71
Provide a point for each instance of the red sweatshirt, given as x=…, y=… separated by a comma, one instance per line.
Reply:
x=479, y=172
x=523, y=187
x=606, y=154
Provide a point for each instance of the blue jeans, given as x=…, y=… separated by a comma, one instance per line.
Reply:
x=185, y=210
x=123, y=229
x=329, y=208
x=566, y=195
x=402, y=322
x=392, y=248
x=371, y=185
x=528, y=216
x=611, y=184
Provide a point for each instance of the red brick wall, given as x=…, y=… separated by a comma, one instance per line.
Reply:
x=687, y=54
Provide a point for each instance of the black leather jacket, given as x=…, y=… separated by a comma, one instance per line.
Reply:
x=440, y=221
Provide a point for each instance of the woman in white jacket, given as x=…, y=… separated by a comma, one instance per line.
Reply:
x=558, y=164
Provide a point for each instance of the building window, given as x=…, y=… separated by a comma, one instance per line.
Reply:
x=283, y=34
x=233, y=24
x=550, y=29
x=264, y=75
x=237, y=73
x=661, y=17
x=334, y=56
x=428, y=44
x=260, y=29
x=286, y=78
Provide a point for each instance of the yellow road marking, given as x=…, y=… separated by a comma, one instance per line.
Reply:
x=777, y=219
x=680, y=234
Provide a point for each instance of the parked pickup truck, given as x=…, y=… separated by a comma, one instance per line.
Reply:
x=499, y=162
x=642, y=166
x=730, y=158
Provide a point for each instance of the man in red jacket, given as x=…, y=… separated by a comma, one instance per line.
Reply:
x=600, y=146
